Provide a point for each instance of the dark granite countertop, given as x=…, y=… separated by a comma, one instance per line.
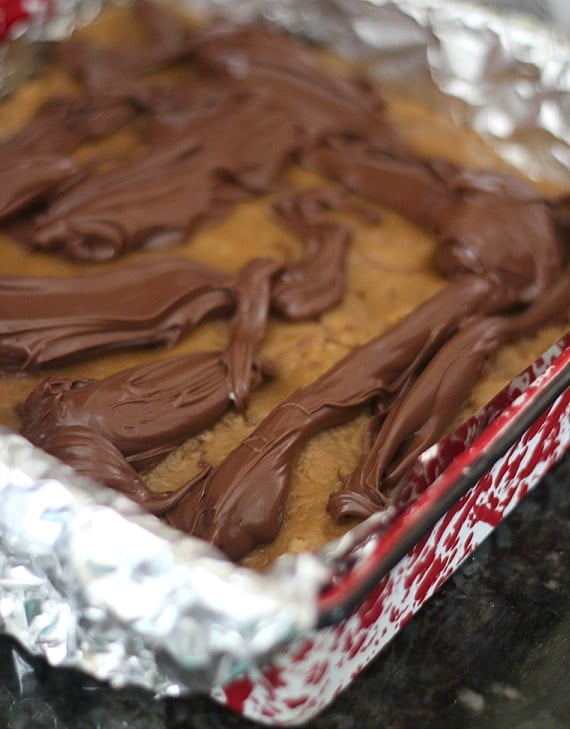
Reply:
x=491, y=650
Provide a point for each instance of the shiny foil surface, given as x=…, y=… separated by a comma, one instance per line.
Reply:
x=86, y=578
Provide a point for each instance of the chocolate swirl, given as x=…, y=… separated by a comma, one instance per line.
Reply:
x=251, y=83
x=51, y=321
x=144, y=411
x=137, y=416
x=167, y=41
x=420, y=415
x=240, y=503
x=494, y=227
x=179, y=185
x=29, y=180
x=35, y=162
x=316, y=282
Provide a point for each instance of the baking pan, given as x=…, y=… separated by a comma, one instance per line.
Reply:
x=481, y=473
x=88, y=580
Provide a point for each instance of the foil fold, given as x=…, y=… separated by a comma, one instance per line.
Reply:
x=86, y=578
x=89, y=580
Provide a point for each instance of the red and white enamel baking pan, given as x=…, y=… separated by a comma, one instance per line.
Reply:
x=458, y=492
x=463, y=488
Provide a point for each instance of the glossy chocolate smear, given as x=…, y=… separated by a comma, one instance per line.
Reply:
x=248, y=325
x=35, y=162
x=317, y=281
x=514, y=247
x=279, y=67
x=47, y=321
x=137, y=416
x=29, y=180
x=93, y=455
x=420, y=415
x=167, y=40
x=63, y=122
x=55, y=320
x=240, y=504
x=179, y=185
x=487, y=223
x=251, y=83
x=144, y=411
x=109, y=429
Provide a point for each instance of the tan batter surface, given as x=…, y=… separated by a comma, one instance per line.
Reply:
x=390, y=272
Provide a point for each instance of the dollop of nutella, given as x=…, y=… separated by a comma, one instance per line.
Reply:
x=251, y=83
x=317, y=281
x=257, y=101
x=35, y=162
x=54, y=321
x=167, y=40
x=57, y=320
x=146, y=411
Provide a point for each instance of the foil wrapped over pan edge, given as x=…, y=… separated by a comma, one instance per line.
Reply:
x=86, y=578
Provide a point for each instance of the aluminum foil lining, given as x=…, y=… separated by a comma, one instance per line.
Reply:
x=86, y=578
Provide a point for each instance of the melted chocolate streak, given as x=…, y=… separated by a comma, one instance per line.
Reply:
x=498, y=245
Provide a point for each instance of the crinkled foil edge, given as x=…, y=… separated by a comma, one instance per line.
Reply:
x=87, y=579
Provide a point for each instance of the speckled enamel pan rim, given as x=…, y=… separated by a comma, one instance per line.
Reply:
x=455, y=481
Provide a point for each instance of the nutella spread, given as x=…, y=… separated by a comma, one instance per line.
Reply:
x=252, y=105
